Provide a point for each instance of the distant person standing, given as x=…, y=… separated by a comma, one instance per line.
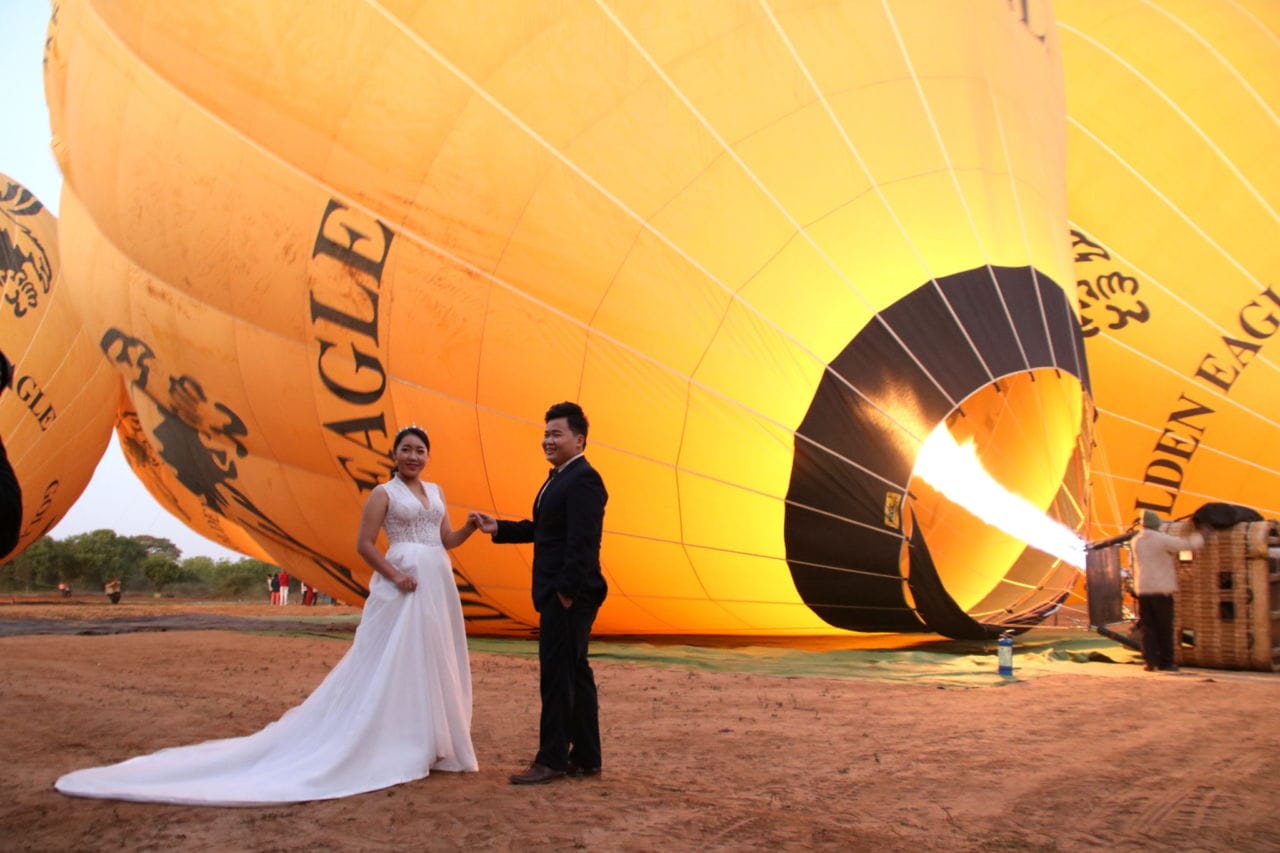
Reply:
x=112, y=590
x=275, y=588
x=10, y=491
x=1155, y=581
x=284, y=588
x=568, y=589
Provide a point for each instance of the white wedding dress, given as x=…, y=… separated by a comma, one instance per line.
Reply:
x=396, y=707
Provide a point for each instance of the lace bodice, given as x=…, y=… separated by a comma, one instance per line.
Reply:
x=407, y=519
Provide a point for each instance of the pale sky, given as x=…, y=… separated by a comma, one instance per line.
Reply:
x=115, y=498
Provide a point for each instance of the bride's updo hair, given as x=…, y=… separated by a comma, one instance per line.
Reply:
x=412, y=429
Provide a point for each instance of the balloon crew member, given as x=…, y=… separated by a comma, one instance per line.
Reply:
x=568, y=589
x=1155, y=581
x=10, y=491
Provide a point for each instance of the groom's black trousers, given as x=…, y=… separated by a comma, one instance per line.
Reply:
x=569, y=729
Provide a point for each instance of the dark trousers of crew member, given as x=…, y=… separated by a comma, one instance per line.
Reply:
x=1156, y=613
x=569, y=728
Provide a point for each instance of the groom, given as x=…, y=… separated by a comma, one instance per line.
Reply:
x=568, y=589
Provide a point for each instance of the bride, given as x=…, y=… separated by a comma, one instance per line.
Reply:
x=397, y=706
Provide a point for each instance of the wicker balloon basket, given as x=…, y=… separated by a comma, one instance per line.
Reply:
x=1227, y=610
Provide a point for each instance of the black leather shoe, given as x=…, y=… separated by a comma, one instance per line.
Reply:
x=580, y=771
x=537, y=774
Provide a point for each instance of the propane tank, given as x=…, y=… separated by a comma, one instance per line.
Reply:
x=1004, y=654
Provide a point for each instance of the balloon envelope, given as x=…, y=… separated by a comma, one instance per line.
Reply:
x=767, y=272
x=56, y=419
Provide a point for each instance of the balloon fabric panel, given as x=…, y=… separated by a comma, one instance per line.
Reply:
x=1174, y=197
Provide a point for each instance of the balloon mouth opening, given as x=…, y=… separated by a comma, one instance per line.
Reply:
x=998, y=495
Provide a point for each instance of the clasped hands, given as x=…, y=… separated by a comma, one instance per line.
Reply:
x=483, y=522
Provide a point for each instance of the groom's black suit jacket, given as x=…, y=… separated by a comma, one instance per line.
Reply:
x=568, y=521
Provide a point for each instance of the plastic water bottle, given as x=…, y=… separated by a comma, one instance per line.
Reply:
x=1004, y=654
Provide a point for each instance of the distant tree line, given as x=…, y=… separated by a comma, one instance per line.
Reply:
x=86, y=561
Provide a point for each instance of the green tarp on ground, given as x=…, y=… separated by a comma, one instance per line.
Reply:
x=939, y=661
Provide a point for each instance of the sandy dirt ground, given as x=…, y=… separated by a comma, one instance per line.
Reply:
x=1099, y=757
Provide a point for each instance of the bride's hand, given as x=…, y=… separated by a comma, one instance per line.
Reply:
x=406, y=583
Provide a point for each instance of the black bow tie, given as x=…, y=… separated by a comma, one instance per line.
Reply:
x=537, y=502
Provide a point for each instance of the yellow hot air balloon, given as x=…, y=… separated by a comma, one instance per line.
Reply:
x=1174, y=197
x=770, y=247
x=56, y=419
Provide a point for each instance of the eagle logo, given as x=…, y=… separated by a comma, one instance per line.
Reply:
x=25, y=271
